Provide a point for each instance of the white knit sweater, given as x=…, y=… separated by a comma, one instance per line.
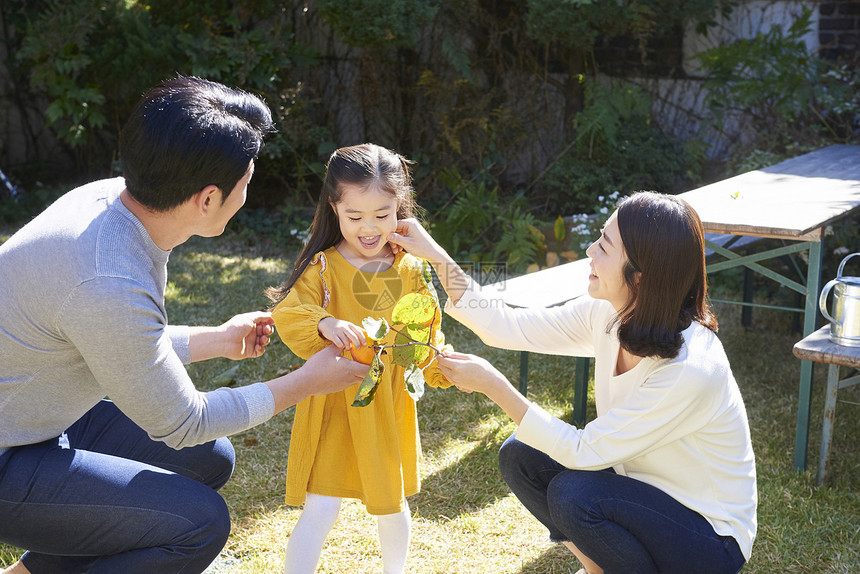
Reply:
x=678, y=424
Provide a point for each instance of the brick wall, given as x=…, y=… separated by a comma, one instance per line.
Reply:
x=838, y=36
x=660, y=56
x=839, y=29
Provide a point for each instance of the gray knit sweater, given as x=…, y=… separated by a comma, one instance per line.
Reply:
x=82, y=318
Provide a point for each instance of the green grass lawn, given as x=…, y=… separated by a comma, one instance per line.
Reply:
x=465, y=519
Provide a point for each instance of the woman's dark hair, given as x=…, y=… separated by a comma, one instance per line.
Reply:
x=368, y=166
x=187, y=133
x=664, y=241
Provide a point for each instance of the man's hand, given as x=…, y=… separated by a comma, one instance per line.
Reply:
x=242, y=337
x=247, y=335
x=16, y=568
x=330, y=372
x=324, y=373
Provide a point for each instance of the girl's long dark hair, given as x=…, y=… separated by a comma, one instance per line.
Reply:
x=665, y=245
x=366, y=165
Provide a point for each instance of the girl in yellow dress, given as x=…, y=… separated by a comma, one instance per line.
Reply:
x=347, y=272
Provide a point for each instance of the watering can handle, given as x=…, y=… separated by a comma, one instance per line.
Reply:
x=822, y=301
x=842, y=264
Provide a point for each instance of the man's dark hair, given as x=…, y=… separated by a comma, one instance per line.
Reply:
x=188, y=133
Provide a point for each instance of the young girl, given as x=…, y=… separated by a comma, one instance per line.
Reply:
x=346, y=272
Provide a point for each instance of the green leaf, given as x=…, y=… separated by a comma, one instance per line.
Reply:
x=427, y=275
x=414, y=378
x=417, y=332
x=368, y=386
x=407, y=355
x=376, y=329
x=560, y=229
x=414, y=308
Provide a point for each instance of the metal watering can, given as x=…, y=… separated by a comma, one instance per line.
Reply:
x=845, y=322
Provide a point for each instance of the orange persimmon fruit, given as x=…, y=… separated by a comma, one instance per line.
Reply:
x=362, y=354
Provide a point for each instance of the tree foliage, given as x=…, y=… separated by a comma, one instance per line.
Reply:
x=775, y=82
x=501, y=103
x=90, y=61
x=379, y=23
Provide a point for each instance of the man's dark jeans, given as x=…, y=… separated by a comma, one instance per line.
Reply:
x=104, y=498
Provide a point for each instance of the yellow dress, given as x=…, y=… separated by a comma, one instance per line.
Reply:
x=370, y=453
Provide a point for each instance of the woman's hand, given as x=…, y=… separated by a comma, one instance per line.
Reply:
x=413, y=238
x=472, y=373
x=342, y=333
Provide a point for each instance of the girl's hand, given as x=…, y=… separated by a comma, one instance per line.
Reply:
x=342, y=333
x=412, y=237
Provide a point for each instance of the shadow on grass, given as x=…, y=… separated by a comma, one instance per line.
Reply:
x=556, y=560
x=471, y=483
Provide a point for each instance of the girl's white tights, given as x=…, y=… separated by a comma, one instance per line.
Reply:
x=394, y=532
x=318, y=518
x=307, y=538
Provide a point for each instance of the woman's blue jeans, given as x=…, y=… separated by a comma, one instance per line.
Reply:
x=104, y=498
x=624, y=525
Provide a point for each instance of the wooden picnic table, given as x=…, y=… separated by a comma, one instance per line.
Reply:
x=793, y=200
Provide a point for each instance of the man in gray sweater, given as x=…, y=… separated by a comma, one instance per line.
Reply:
x=129, y=484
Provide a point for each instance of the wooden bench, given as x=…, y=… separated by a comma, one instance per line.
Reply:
x=818, y=347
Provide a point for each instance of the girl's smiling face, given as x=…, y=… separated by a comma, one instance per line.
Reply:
x=366, y=216
x=608, y=260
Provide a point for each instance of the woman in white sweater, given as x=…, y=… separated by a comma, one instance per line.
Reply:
x=663, y=480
